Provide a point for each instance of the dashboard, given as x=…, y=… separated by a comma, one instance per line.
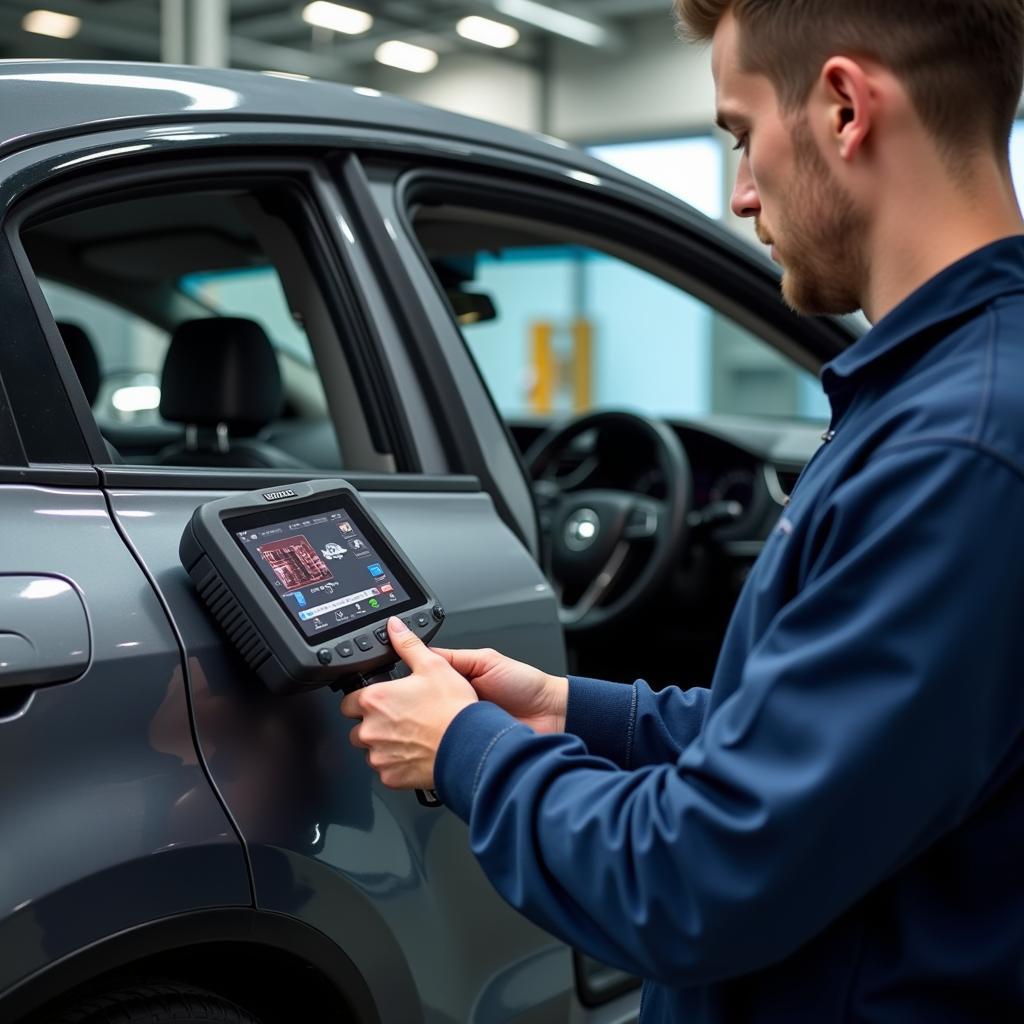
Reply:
x=751, y=462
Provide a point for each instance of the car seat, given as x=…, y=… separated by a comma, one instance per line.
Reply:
x=83, y=358
x=221, y=380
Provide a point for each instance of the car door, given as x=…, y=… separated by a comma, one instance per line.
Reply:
x=391, y=883
x=110, y=821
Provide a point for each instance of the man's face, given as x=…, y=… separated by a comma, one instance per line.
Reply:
x=816, y=231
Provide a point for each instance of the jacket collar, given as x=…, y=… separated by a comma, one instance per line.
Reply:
x=963, y=287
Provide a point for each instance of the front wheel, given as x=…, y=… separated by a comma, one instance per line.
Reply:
x=152, y=1002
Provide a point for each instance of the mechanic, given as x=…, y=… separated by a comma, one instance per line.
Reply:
x=834, y=831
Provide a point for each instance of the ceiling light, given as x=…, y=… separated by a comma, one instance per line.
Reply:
x=559, y=22
x=406, y=56
x=337, y=18
x=490, y=33
x=50, y=23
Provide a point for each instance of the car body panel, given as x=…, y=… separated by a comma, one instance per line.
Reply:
x=394, y=884
x=108, y=819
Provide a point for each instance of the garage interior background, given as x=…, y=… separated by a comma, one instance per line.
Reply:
x=607, y=75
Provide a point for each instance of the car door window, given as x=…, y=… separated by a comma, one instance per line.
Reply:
x=557, y=327
x=204, y=318
x=129, y=352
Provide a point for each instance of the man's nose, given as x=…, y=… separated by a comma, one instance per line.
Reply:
x=745, y=200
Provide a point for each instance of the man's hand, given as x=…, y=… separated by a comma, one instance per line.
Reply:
x=534, y=697
x=403, y=721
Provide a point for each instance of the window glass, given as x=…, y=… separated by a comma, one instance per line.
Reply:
x=252, y=292
x=129, y=351
x=577, y=329
x=175, y=296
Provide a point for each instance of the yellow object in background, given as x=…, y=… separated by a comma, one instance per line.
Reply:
x=545, y=370
x=582, y=365
x=553, y=376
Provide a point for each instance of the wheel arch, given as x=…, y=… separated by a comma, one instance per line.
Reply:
x=266, y=962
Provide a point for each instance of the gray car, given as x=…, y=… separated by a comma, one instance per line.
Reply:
x=215, y=281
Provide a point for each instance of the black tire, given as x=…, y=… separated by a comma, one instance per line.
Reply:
x=152, y=1002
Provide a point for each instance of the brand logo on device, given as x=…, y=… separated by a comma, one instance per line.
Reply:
x=278, y=495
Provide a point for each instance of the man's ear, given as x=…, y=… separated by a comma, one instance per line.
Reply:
x=849, y=99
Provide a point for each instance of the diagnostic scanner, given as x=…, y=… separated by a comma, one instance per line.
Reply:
x=303, y=579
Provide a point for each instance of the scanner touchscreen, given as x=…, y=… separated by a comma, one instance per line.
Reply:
x=325, y=571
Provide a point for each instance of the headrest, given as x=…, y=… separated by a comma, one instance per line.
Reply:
x=221, y=370
x=83, y=358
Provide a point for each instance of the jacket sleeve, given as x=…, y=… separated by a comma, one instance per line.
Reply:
x=632, y=725
x=866, y=723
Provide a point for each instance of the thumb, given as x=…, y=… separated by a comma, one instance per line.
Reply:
x=408, y=646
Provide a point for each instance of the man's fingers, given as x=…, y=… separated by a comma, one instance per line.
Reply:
x=408, y=646
x=445, y=653
x=469, y=663
x=351, y=706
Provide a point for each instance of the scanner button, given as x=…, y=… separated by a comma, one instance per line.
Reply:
x=438, y=612
x=324, y=656
x=422, y=620
x=345, y=649
x=364, y=643
x=382, y=635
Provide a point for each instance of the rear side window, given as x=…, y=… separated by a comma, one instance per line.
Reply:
x=129, y=352
x=200, y=333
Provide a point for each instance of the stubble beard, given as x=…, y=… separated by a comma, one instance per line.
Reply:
x=825, y=234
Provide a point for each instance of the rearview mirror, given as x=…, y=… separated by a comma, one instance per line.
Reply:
x=471, y=307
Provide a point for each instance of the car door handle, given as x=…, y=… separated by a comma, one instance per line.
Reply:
x=44, y=632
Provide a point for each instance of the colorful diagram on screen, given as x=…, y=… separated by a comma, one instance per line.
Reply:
x=295, y=562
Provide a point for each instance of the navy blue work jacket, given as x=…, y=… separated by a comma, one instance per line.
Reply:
x=834, y=831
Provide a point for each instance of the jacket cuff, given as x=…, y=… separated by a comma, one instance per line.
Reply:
x=602, y=715
x=464, y=748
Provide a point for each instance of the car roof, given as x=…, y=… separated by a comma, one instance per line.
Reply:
x=48, y=98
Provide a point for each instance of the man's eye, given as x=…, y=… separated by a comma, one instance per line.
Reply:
x=741, y=143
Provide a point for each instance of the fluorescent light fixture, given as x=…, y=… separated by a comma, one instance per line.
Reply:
x=337, y=18
x=50, y=23
x=397, y=54
x=559, y=22
x=136, y=399
x=490, y=33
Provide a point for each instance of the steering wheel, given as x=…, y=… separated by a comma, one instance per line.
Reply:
x=596, y=535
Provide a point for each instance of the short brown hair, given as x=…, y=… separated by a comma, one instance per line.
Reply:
x=962, y=61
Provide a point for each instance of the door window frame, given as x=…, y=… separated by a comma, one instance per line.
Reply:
x=708, y=264
x=390, y=430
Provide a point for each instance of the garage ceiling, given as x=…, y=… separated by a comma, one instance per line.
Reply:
x=271, y=35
